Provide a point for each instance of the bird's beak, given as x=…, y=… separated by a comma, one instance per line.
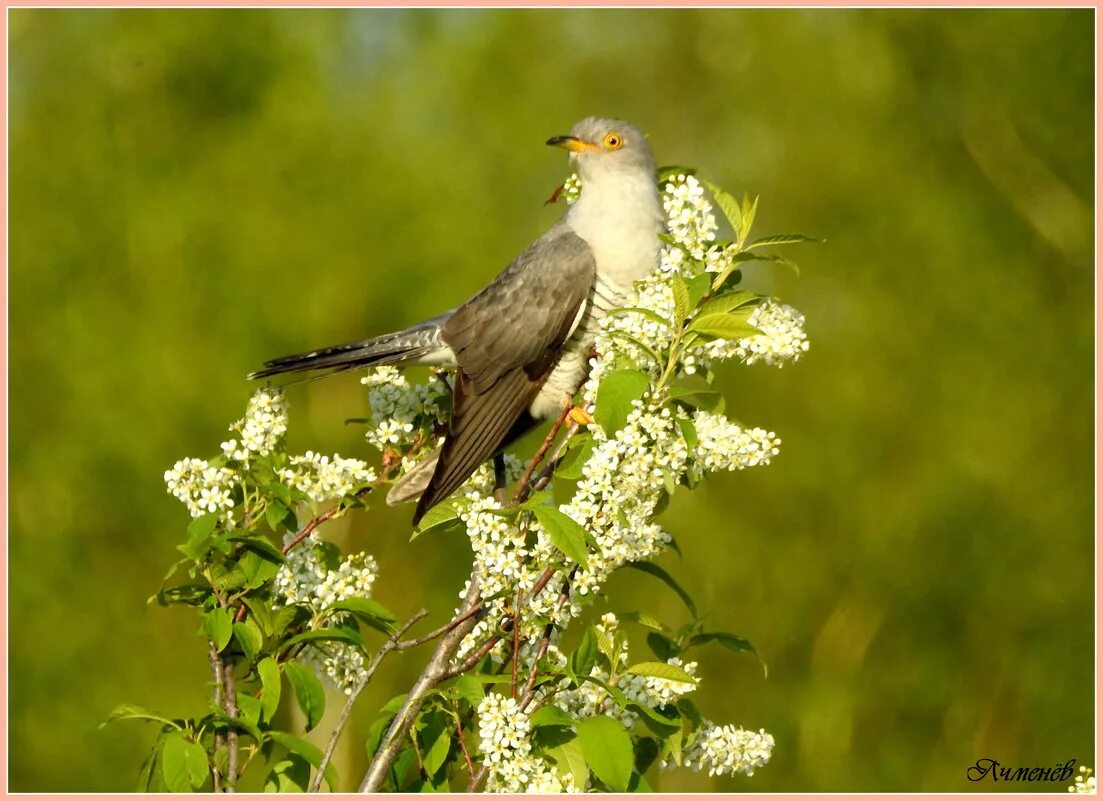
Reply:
x=571, y=143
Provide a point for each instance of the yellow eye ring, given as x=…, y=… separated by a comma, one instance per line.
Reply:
x=613, y=141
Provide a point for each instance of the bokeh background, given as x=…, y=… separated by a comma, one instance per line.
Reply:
x=192, y=192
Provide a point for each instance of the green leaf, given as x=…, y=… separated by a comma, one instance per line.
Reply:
x=291, y=775
x=310, y=753
x=436, y=741
x=439, y=518
x=608, y=750
x=642, y=619
x=650, y=314
x=681, y=298
x=225, y=721
x=470, y=690
x=183, y=764
x=249, y=708
x=371, y=612
x=269, y=672
x=549, y=715
x=259, y=544
x=729, y=301
x=249, y=637
x=337, y=633
x=262, y=615
x=219, y=627
x=748, y=211
x=187, y=594
x=616, y=333
x=199, y=533
x=284, y=617
x=689, y=433
x=570, y=467
x=732, y=642
x=662, y=646
x=276, y=512
x=672, y=747
x=308, y=692
x=729, y=206
x=585, y=655
x=258, y=568
x=724, y=326
x=661, y=670
x=566, y=534
x=698, y=286
x=135, y=712
x=638, y=784
x=615, y=394
x=570, y=761
x=652, y=569
x=781, y=239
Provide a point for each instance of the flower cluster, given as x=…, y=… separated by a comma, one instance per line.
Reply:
x=1085, y=782
x=400, y=410
x=726, y=750
x=689, y=217
x=307, y=579
x=326, y=478
x=260, y=430
x=201, y=487
x=782, y=339
x=338, y=662
x=507, y=752
x=590, y=698
x=723, y=445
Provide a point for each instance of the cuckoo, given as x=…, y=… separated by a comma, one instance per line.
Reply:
x=523, y=344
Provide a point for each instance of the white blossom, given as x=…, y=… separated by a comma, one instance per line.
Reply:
x=201, y=487
x=399, y=409
x=326, y=478
x=782, y=338
x=726, y=750
x=724, y=445
x=1085, y=782
x=265, y=422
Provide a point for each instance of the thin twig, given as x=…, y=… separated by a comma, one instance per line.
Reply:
x=475, y=658
x=529, y=692
x=463, y=744
x=434, y=672
x=526, y=477
x=391, y=644
x=477, y=779
x=447, y=627
x=216, y=671
x=516, y=641
x=546, y=474
x=308, y=529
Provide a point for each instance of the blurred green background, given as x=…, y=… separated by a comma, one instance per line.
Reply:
x=195, y=191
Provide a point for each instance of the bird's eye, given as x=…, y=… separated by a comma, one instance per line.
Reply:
x=612, y=141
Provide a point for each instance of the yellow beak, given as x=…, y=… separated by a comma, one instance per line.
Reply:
x=571, y=143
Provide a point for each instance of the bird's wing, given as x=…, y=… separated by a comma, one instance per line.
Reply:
x=506, y=339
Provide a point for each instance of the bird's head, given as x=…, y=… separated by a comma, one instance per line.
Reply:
x=601, y=147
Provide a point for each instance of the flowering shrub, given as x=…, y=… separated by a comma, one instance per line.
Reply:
x=501, y=704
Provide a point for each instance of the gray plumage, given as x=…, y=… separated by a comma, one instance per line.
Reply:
x=521, y=346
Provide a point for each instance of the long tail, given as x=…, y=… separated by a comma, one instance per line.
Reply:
x=422, y=342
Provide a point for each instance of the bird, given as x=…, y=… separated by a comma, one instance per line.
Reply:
x=522, y=345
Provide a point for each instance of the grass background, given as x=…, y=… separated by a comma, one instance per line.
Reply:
x=192, y=192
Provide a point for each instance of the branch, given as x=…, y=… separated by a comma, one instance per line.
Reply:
x=231, y=735
x=216, y=671
x=526, y=477
x=432, y=675
x=391, y=644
